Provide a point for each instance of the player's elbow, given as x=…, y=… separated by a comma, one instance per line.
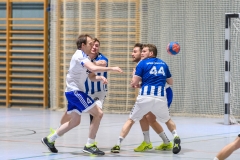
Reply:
x=170, y=81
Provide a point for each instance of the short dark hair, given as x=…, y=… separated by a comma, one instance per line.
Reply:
x=82, y=38
x=152, y=48
x=96, y=40
x=140, y=45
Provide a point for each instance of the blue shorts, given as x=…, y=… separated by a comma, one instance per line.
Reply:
x=78, y=102
x=169, y=96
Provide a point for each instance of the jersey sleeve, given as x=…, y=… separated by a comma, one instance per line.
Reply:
x=83, y=60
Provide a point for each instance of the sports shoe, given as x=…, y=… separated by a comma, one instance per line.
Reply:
x=143, y=147
x=93, y=149
x=50, y=146
x=115, y=149
x=165, y=147
x=176, y=145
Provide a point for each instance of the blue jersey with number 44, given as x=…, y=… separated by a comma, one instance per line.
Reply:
x=154, y=73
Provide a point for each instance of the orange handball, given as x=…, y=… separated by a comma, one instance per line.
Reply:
x=173, y=48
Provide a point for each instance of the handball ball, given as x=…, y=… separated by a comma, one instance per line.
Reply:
x=173, y=48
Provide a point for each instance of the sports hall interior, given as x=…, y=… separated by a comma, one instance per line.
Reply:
x=38, y=39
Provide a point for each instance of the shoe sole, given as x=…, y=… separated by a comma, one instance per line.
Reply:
x=115, y=151
x=145, y=149
x=85, y=151
x=176, y=150
x=163, y=149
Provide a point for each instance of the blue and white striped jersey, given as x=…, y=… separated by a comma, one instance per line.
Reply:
x=92, y=87
x=154, y=73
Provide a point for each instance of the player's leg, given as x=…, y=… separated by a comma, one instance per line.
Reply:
x=97, y=113
x=98, y=98
x=228, y=149
x=91, y=146
x=49, y=141
x=160, y=110
x=65, y=118
x=75, y=107
x=166, y=145
x=125, y=130
x=138, y=111
x=145, y=129
x=171, y=125
x=176, y=140
x=146, y=144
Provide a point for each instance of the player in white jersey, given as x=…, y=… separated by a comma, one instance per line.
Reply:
x=153, y=73
x=228, y=149
x=150, y=119
x=96, y=90
x=80, y=69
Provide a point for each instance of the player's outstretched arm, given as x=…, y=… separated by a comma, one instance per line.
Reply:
x=93, y=77
x=93, y=68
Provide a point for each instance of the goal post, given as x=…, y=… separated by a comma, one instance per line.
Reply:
x=227, y=57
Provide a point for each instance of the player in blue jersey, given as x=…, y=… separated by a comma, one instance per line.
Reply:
x=150, y=118
x=79, y=102
x=153, y=73
x=96, y=90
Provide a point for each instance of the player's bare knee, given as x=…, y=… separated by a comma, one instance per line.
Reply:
x=130, y=121
x=99, y=115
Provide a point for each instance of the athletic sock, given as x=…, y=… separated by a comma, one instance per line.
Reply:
x=90, y=142
x=164, y=137
x=174, y=133
x=146, y=136
x=120, y=139
x=53, y=137
x=215, y=158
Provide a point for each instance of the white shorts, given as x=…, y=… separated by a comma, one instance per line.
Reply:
x=99, y=98
x=144, y=104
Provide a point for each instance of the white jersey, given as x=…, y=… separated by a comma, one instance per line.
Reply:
x=77, y=73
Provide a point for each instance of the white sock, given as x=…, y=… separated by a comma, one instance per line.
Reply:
x=174, y=133
x=120, y=139
x=146, y=136
x=53, y=137
x=90, y=141
x=215, y=158
x=164, y=137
